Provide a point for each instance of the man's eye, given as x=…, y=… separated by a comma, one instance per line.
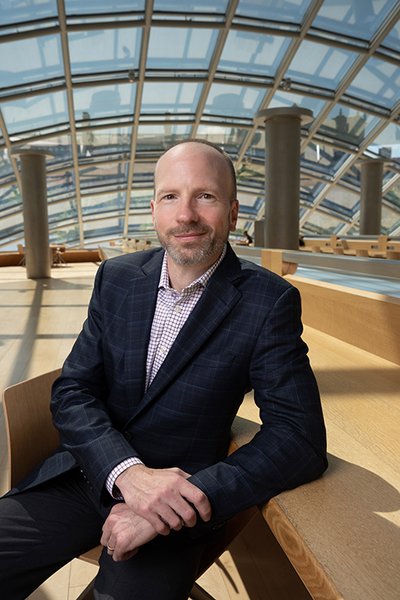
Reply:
x=168, y=197
x=206, y=197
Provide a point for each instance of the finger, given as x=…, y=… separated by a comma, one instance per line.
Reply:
x=198, y=499
x=118, y=557
x=170, y=518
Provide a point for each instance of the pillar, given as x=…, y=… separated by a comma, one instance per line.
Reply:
x=34, y=201
x=282, y=174
x=371, y=196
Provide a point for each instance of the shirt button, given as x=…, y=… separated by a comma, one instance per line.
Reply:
x=178, y=309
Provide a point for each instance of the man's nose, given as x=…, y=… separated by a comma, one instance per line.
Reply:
x=187, y=211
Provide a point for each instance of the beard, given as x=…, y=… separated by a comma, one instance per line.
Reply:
x=196, y=252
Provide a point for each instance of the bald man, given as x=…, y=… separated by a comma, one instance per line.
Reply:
x=174, y=339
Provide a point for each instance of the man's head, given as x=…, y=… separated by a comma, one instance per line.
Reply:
x=194, y=206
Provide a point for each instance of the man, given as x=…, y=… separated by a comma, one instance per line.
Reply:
x=174, y=339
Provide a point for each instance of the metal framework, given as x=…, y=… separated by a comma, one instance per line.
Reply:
x=107, y=86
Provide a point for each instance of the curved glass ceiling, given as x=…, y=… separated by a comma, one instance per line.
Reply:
x=107, y=85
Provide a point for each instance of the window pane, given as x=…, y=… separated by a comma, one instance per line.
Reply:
x=246, y=52
x=320, y=65
x=233, y=100
x=291, y=11
x=348, y=125
x=28, y=60
x=76, y=7
x=35, y=112
x=178, y=48
x=170, y=97
x=104, y=50
x=378, y=82
x=103, y=101
x=352, y=16
x=16, y=12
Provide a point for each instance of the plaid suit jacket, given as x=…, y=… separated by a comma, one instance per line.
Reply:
x=244, y=333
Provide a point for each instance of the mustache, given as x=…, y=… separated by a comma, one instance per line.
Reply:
x=185, y=230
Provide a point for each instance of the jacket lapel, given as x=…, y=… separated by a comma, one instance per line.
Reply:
x=218, y=299
x=140, y=308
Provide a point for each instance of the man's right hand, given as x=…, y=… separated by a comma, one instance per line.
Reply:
x=163, y=497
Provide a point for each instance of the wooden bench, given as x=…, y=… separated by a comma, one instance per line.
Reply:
x=341, y=532
x=374, y=246
x=393, y=249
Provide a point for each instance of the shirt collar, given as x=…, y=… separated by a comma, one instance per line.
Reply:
x=199, y=282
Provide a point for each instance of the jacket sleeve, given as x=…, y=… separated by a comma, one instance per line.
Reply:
x=79, y=399
x=290, y=448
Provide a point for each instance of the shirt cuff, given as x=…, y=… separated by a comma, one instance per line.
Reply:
x=116, y=472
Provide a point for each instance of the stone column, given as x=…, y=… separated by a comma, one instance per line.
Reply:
x=34, y=201
x=371, y=196
x=282, y=174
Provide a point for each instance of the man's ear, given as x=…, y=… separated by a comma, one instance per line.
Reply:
x=234, y=215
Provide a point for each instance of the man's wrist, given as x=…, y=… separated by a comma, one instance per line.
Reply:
x=111, y=486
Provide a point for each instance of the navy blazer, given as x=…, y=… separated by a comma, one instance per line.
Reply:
x=243, y=334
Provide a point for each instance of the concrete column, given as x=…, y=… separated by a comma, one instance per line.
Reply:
x=371, y=196
x=282, y=174
x=34, y=200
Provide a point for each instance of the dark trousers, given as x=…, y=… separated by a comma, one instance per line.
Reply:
x=44, y=528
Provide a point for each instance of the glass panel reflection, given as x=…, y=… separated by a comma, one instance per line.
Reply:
x=35, y=112
x=393, y=195
x=157, y=137
x=6, y=168
x=9, y=198
x=17, y=12
x=68, y=235
x=62, y=211
x=60, y=184
x=291, y=11
x=104, y=142
x=228, y=137
x=103, y=101
x=247, y=52
x=321, y=65
x=174, y=97
x=104, y=203
x=191, y=6
x=32, y=59
x=378, y=82
x=353, y=15
x=322, y=158
x=320, y=223
x=104, y=50
x=191, y=48
x=233, y=100
x=12, y=226
x=348, y=124
x=342, y=201
x=103, y=175
x=387, y=143
x=140, y=199
x=77, y=7
x=389, y=219
x=286, y=99
x=109, y=227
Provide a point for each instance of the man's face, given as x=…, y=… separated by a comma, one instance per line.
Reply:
x=194, y=208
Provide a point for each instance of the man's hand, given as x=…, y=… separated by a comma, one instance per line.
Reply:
x=124, y=532
x=163, y=497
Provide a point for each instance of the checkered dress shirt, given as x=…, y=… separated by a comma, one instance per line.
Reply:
x=172, y=310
